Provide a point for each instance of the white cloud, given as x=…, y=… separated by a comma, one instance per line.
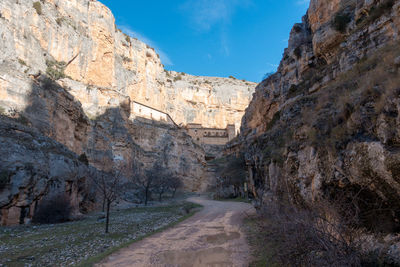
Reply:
x=165, y=59
x=204, y=14
x=225, y=44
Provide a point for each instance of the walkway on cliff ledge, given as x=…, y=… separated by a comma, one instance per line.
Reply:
x=212, y=237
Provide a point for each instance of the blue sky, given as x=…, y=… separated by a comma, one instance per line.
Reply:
x=242, y=38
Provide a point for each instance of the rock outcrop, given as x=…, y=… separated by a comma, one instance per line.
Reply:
x=327, y=123
x=33, y=166
x=99, y=72
x=103, y=67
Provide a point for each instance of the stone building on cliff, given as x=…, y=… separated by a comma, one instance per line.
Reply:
x=211, y=136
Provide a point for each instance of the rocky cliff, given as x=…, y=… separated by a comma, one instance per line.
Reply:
x=78, y=42
x=70, y=76
x=327, y=123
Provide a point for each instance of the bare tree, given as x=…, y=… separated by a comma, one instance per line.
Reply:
x=161, y=184
x=174, y=183
x=156, y=180
x=329, y=232
x=145, y=180
x=109, y=186
x=231, y=171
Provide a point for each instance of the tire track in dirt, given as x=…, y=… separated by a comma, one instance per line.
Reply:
x=212, y=237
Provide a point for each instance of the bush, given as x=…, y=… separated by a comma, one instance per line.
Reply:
x=22, y=62
x=174, y=183
x=22, y=119
x=276, y=118
x=2, y=111
x=297, y=28
x=4, y=179
x=267, y=75
x=38, y=7
x=127, y=38
x=231, y=172
x=59, y=21
x=126, y=59
x=83, y=158
x=297, y=52
x=49, y=84
x=341, y=21
x=55, y=69
x=178, y=78
x=377, y=12
x=307, y=238
x=56, y=209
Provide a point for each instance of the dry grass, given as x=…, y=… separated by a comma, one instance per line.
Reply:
x=330, y=233
x=308, y=238
x=84, y=242
x=262, y=248
x=178, y=78
x=375, y=81
x=38, y=7
x=375, y=13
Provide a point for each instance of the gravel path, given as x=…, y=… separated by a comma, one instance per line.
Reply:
x=212, y=237
x=71, y=243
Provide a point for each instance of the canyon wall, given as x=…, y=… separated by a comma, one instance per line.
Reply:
x=327, y=123
x=102, y=66
x=69, y=76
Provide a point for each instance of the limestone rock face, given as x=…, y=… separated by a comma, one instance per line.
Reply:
x=322, y=11
x=33, y=166
x=103, y=65
x=328, y=120
x=100, y=72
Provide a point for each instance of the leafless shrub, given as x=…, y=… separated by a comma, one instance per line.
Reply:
x=231, y=172
x=309, y=238
x=108, y=185
x=55, y=209
x=156, y=180
x=161, y=182
x=166, y=182
x=145, y=181
x=174, y=183
x=329, y=232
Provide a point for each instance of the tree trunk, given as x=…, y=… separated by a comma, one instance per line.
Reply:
x=108, y=215
x=160, y=197
x=173, y=193
x=146, y=193
x=104, y=204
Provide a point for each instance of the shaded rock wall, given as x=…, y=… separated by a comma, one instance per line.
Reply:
x=34, y=166
x=99, y=72
x=328, y=120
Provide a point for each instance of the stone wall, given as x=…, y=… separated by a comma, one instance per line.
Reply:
x=140, y=111
x=211, y=136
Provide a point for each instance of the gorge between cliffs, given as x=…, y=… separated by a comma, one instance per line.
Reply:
x=94, y=129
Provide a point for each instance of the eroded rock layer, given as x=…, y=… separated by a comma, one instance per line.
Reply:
x=100, y=73
x=328, y=121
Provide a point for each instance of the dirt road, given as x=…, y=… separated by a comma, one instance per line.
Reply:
x=212, y=237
